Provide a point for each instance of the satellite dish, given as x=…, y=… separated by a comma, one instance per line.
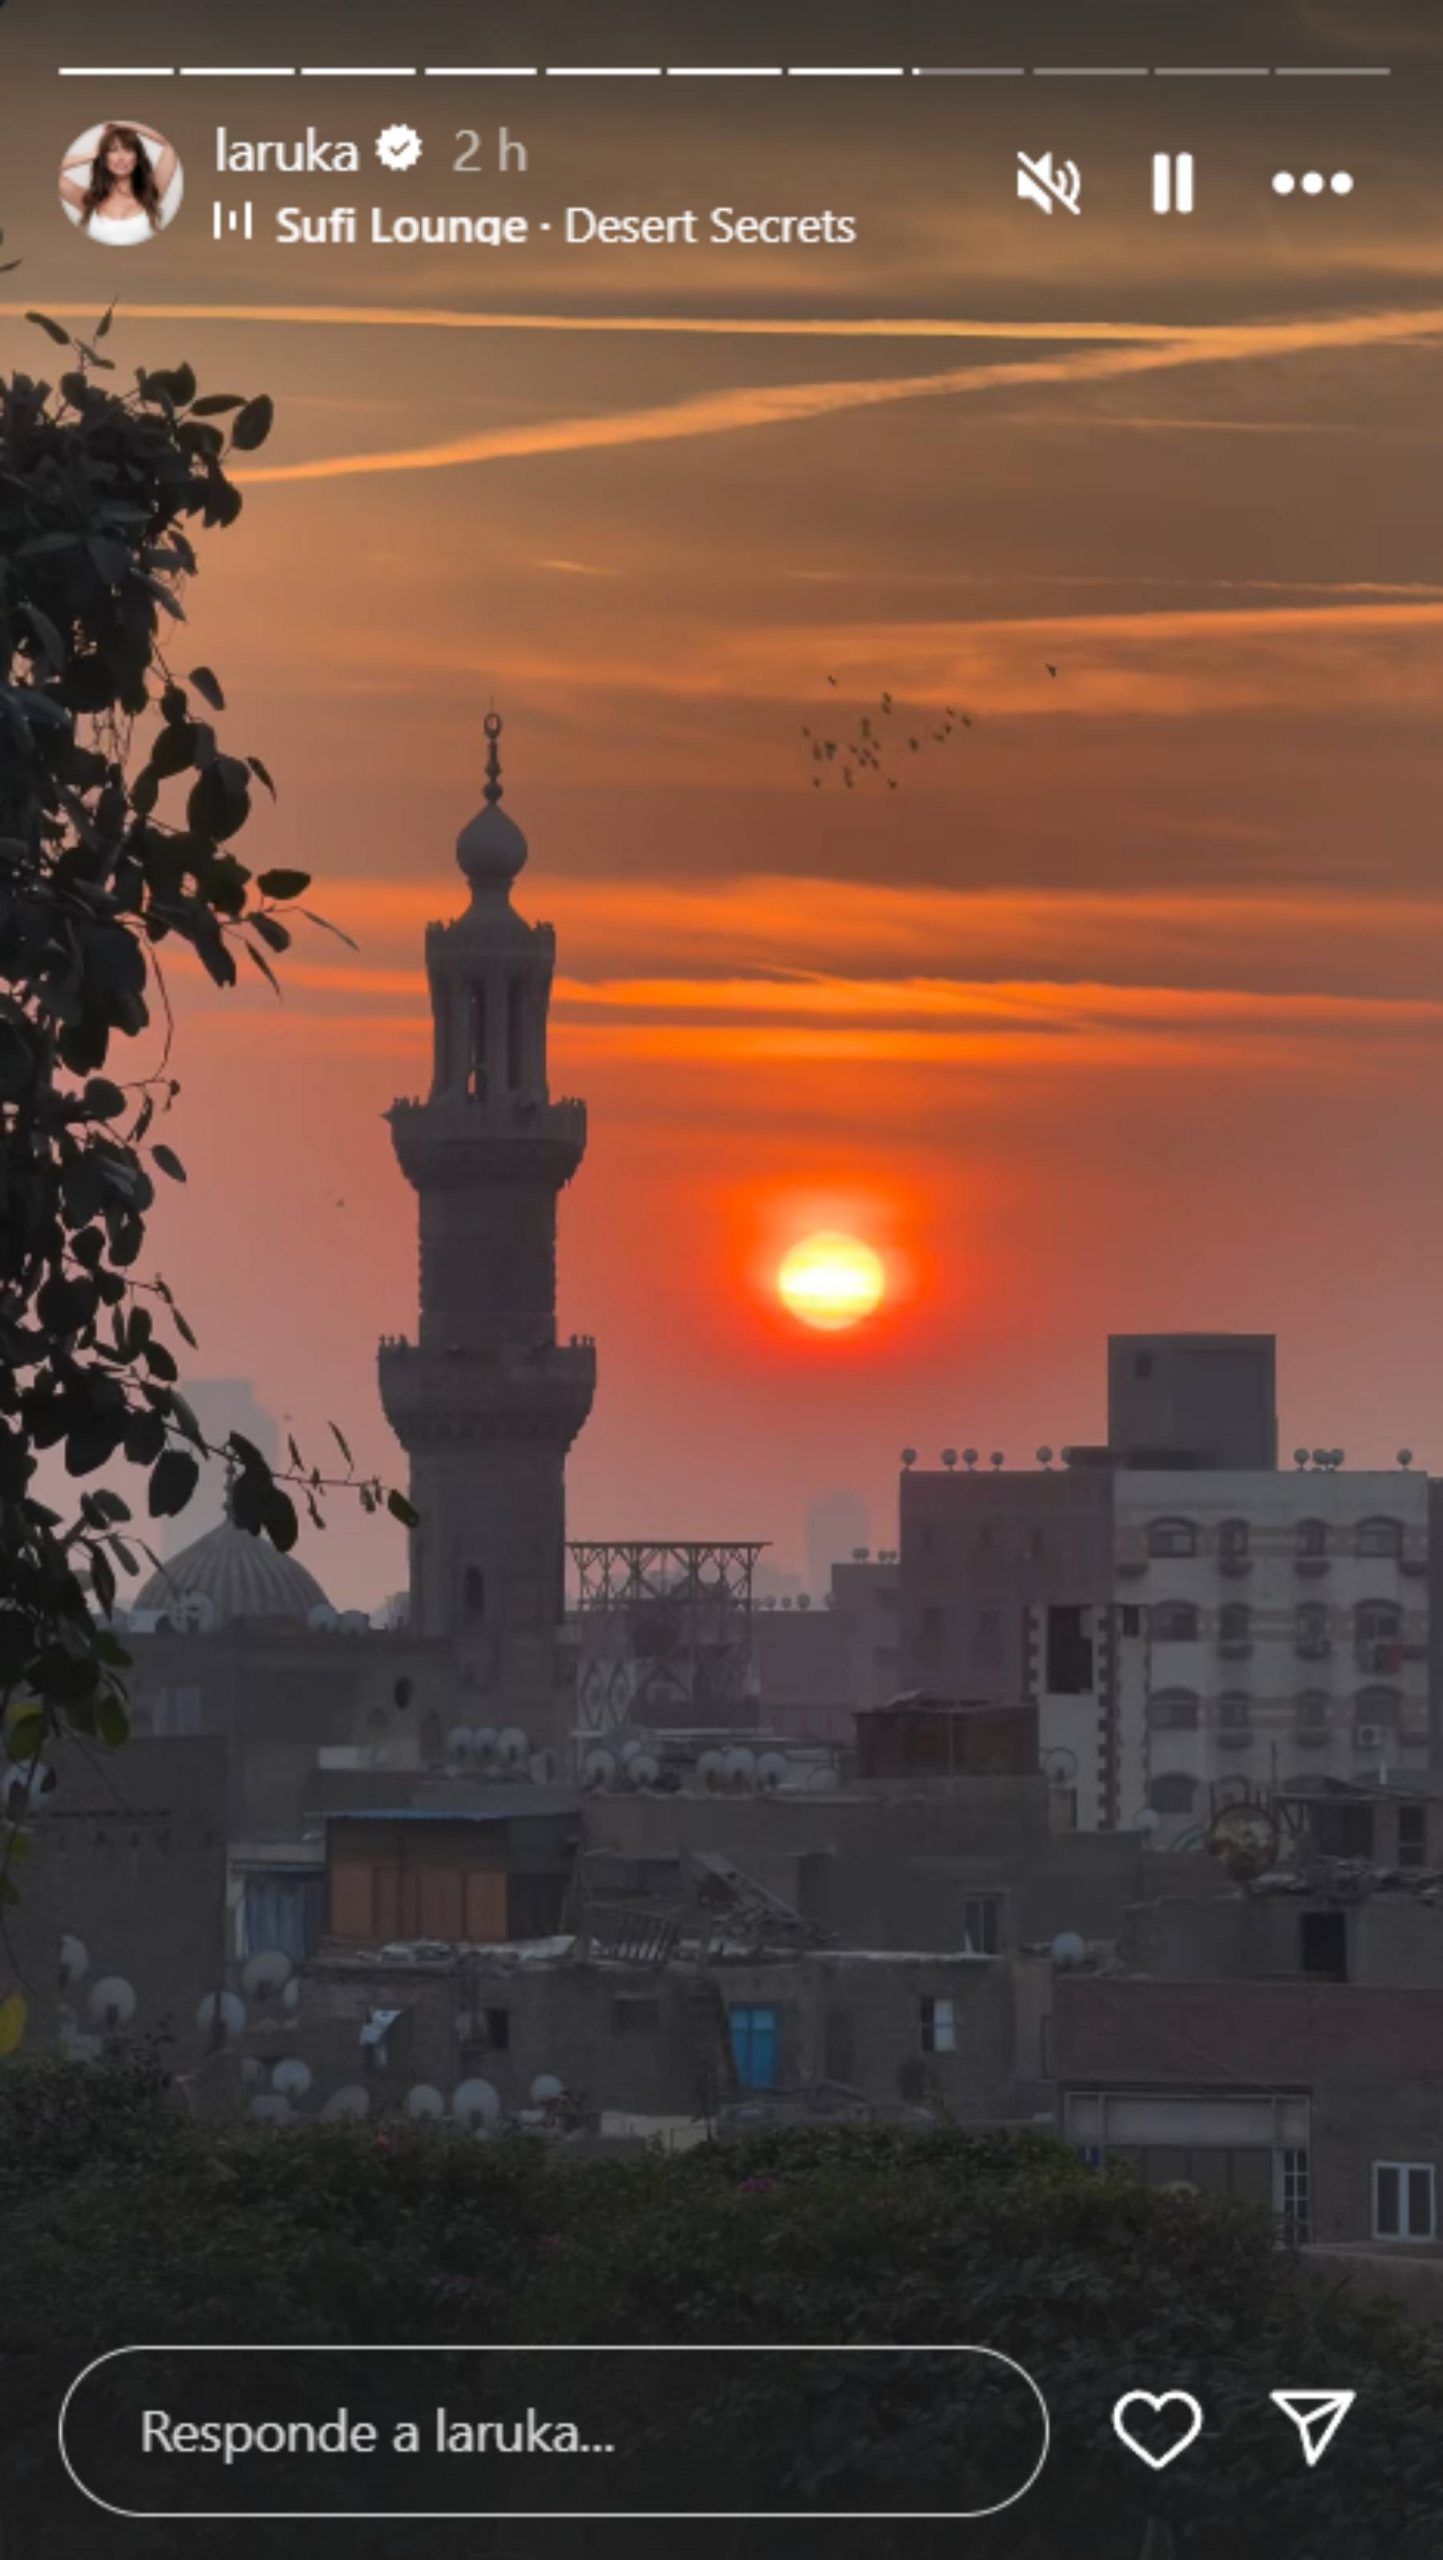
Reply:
x=1405, y=1457
x=252, y=2070
x=74, y=1958
x=320, y=1617
x=269, y=2107
x=221, y=2014
x=291, y=1996
x=804, y=1599
x=998, y=1458
x=546, y=2089
x=461, y=1742
x=1059, y=1766
x=476, y=2105
x=347, y=2105
x=598, y=1768
x=1044, y=1456
x=292, y=2077
x=1147, y=1821
x=969, y=1457
x=739, y=1768
x=264, y=1976
x=1300, y=1457
x=773, y=1770
x=512, y=1744
x=424, y=2101
x=1068, y=1948
x=709, y=1768
x=353, y=1622
x=642, y=1770
x=195, y=1613
x=949, y=1459
x=631, y=1746
x=485, y=1739
x=112, y=2001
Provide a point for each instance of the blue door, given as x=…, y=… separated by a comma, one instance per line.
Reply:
x=755, y=2046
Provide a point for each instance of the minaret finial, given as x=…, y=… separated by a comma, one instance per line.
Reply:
x=492, y=727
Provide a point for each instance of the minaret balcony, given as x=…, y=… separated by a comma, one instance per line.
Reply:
x=460, y=1140
x=443, y=1393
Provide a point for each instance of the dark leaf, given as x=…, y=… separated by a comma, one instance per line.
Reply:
x=253, y=423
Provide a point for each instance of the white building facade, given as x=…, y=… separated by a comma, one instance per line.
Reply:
x=1285, y=1627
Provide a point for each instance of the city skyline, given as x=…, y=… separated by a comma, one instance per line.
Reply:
x=1122, y=1012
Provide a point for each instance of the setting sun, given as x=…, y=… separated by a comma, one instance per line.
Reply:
x=831, y=1281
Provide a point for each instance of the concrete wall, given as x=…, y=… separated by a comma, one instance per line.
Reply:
x=1391, y=1939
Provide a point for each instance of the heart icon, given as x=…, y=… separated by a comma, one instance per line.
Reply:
x=1188, y=2422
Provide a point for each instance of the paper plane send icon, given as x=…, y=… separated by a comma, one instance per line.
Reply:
x=1317, y=2415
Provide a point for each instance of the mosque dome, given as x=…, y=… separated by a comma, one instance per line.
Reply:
x=491, y=847
x=240, y=1575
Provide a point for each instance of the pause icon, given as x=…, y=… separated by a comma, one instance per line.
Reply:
x=1172, y=187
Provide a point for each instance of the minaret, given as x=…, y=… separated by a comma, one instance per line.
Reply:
x=487, y=1402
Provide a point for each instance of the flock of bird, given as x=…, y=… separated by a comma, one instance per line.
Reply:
x=878, y=737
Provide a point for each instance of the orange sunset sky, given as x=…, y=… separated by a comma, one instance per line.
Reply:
x=1124, y=1010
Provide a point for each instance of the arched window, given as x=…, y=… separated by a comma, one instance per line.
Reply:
x=1173, y=1622
x=1378, y=1706
x=1314, y=1711
x=473, y=1591
x=1235, y=1627
x=1235, y=1711
x=1311, y=1540
x=1313, y=1639
x=1379, y=1538
x=1172, y=1793
x=1171, y=1538
x=1173, y=1710
x=1234, y=1540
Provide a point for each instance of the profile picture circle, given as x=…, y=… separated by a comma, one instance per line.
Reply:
x=121, y=182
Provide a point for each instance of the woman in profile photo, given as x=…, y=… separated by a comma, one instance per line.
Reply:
x=125, y=193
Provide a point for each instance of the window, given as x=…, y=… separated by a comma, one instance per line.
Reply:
x=989, y=1636
x=980, y=1931
x=1234, y=1539
x=1378, y=1621
x=1412, y=1835
x=1377, y=1706
x=473, y=1592
x=1069, y=1652
x=1379, y=1538
x=433, y=1741
x=1173, y=1622
x=1171, y=1538
x=1131, y=1616
x=1235, y=1711
x=933, y=1622
x=939, y=2026
x=755, y=2043
x=1314, y=1706
x=1172, y=1793
x=1292, y=2195
x=1323, y=1945
x=1312, y=1541
x=1142, y=1364
x=1405, y=2200
x=1312, y=1629
x=498, y=2029
x=1235, y=1627
x=1173, y=1711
